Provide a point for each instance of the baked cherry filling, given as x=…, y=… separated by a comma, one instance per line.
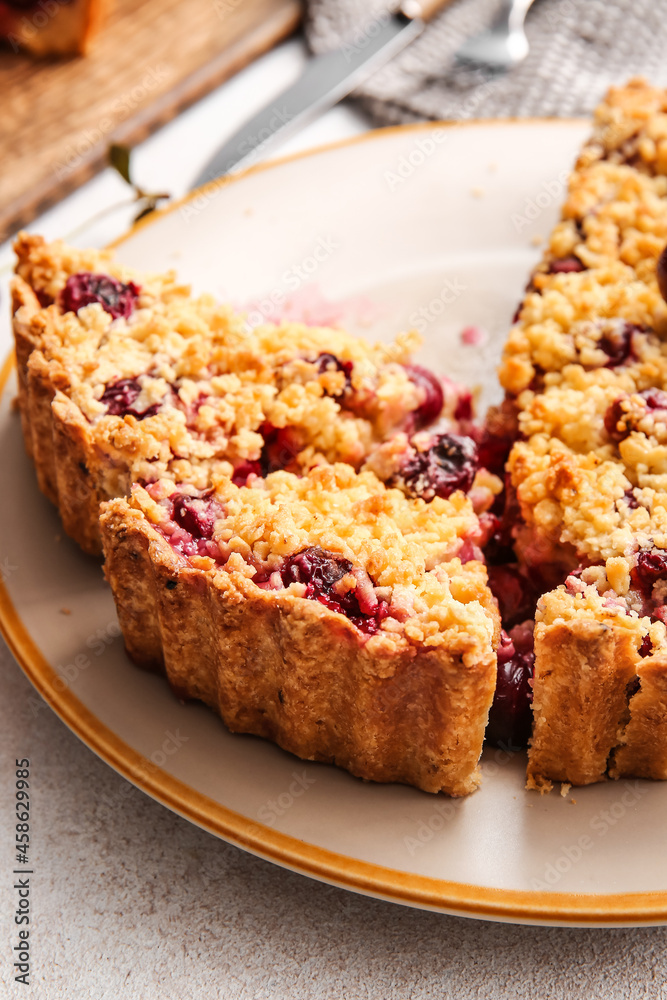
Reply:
x=194, y=514
x=464, y=411
x=614, y=422
x=434, y=397
x=567, y=265
x=426, y=413
x=618, y=344
x=493, y=451
x=510, y=718
x=281, y=446
x=244, y=470
x=43, y=299
x=330, y=363
x=619, y=421
x=651, y=566
x=517, y=596
x=656, y=399
x=120, y=396
x=192, y=522
x=449, y=464
x=646, y=647
x=86, y=289
x=323, y=573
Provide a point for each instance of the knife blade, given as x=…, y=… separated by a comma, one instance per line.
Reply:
x=325, y=81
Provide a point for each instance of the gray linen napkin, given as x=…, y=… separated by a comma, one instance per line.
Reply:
x=577, y=49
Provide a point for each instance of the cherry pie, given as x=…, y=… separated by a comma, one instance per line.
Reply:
x=585, y=371
x=334, y=616
x=342, y=532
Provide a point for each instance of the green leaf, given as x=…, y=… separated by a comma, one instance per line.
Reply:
x=119, y=158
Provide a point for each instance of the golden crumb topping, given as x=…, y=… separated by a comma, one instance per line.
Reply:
x=410, y=550
x=45, y=267
x=593, y=599
x=600, y=262
x=631, y=123
x=586, y=363
x=181, y=386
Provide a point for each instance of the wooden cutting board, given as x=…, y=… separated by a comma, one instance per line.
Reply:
x=152, y=59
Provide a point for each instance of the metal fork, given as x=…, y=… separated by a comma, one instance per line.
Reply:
x=504, y=44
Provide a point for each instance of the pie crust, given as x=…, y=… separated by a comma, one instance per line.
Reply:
x=408, y=704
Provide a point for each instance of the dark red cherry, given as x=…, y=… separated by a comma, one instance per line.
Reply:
x=86, y=289
x=656, y=399
x=120, y=396
x=449, y=464
x=330, y=363
x=196, y=515
x=243, y=470
x=616, y=414
x=464, y=408
x=493, y=452
x=510, y=718
x=566, y=265
x=651, y=567
x=281, y=446
x=614, y=417
x=618, y=345
x=516, y=595
x=434, y=397
x=319, y=570
x=315, y=567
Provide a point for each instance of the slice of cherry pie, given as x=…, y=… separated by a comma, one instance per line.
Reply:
x=585, y=370
x=127, y=378
x=334, y=616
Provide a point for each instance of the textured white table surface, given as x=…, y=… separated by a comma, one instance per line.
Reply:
x=144, y=905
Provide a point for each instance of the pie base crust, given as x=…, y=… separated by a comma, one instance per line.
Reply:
x=289, y=669
x=55, y=432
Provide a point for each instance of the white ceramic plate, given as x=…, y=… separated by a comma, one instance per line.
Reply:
x=437, y=227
